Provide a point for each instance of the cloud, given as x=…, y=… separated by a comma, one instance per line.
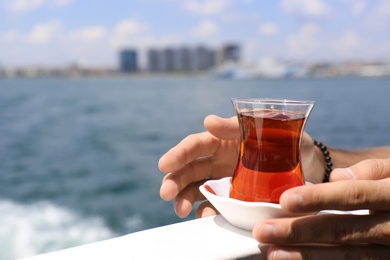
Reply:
x=349, y=41
x=206, y=7
x=311, y=43
x=359, y=27
x=166, y=40
x=268, y=29
x=348, y=45
x=62, y=2
x=308, y=9
x=128, y=32
x=305, y=42
x=358, y=7
x=379, y=18
x=88, y=34
x=23, y=5
x=226, y=10
x=127, y=27
x=352, y=45
x=205, y=28
x=10, y=36
x=383, y=9
x=43, y=33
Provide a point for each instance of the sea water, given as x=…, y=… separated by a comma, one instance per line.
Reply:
x=78, y=157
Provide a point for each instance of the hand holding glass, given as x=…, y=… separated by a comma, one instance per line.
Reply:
x=269, y=161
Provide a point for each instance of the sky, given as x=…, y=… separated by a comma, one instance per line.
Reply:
x=91, y=32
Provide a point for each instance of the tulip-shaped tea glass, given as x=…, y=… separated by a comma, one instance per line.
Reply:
x=269, y=160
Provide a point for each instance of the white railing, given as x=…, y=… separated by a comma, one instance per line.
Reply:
x=205, y=238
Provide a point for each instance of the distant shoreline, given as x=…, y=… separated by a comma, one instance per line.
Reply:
x=166, y=76
x=273, y=70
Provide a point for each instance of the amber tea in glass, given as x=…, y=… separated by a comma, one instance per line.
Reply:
x=269, y=160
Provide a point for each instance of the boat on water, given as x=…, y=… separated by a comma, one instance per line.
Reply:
x=266, y=68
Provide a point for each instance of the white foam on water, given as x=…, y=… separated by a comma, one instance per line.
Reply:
x=27, y=230
x=134, y=222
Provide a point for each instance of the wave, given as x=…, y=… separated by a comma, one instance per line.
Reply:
x=27, y=230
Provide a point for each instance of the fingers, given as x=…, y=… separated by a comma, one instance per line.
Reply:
x=184, y=184
x=185, y=200
x=223, y=128
x=372, y=169
x=184, y=203
x=201, y=144
x=353, y=252
x=174, y=182
x=198, y=157
x=205, y=209
x=198, y=170
x=326, y=229
x=370, y=232
x=190, y=148
x=341, y=195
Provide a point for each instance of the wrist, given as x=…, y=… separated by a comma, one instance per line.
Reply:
x=313, y=163
x=326, y=159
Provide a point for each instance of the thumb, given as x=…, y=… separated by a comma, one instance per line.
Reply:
x=371, y=169
x=222, y=128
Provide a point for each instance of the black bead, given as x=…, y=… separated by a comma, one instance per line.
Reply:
x=328, y=159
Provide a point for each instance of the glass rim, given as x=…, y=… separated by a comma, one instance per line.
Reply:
x=273, y=101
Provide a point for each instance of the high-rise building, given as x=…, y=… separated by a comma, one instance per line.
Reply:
x=204, y=58
x=231, y=52
x=153, y=60
x=160, y=60
x=168, y=55
x=184, y=59
x=128, y=60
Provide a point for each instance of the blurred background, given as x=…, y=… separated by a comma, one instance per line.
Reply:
x=92, y=93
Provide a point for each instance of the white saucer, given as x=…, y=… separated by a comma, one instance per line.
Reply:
x=239, y=213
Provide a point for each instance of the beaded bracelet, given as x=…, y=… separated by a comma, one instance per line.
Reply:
x=328, y=160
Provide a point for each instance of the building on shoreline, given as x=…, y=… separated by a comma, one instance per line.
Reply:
x=128, y=60
x=190, y=59
x=222, y=62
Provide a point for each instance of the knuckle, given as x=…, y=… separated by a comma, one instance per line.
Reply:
x=354, y=195
x=294, y=233
x=376, y=168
